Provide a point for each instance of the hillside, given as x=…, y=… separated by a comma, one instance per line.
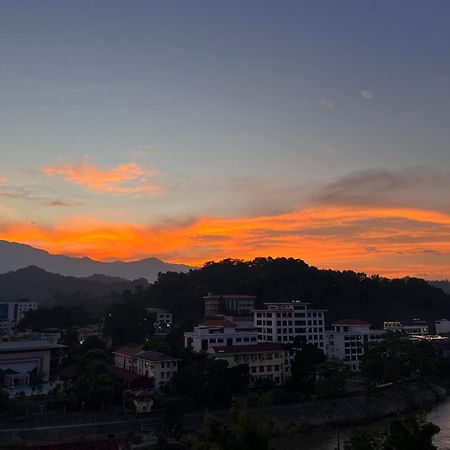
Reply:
x=345, y=294
x=14, y=256
x=36, y=284
x=441, y=284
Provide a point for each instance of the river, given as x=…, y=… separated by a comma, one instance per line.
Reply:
x=327, y=439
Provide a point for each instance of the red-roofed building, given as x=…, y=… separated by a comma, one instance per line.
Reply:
x=266, y=362
x=348, y=340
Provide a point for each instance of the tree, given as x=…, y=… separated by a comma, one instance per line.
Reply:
x=307, y=359
x=248, y=429
x=215, y=383
x=408, y=434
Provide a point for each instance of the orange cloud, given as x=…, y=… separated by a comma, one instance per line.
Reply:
x=127, y=178
x=392, y=242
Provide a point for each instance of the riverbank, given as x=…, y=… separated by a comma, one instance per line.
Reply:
x=358, y=409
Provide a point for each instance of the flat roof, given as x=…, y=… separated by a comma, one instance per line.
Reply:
x=253, y=348
x=18, y=346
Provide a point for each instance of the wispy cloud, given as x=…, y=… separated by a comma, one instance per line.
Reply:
x=366, y=93
x=330, y=104
x=126, y=178
x=28, y=193
x=418, y=187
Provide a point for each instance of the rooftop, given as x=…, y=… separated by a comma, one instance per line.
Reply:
x=228, y=296
x=156, y=356
x=127, y=351
x=255, y=348
x=351, y=322
x=217, y=323
x=19, y=346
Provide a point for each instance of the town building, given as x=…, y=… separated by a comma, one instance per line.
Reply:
x=20, y=360
x=282, y=322
x=349, y=339
x=266, y=362
x=14, y=311
x=416, y=327
x=157, y=366
x=216, y=304
x=218, y=333
x=442, y=326
x=162, y=320
x=392, y=326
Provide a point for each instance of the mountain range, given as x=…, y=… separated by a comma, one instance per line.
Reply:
x=14, y=256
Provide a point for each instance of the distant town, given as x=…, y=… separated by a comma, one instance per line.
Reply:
x=158, y=365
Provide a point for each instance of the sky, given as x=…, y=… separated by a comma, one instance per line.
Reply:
x=201, y=130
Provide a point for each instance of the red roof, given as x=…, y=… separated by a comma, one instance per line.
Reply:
x=218, y=323
x=351, y=322
x=253, y=348
x=128, y=351
x=125, y=374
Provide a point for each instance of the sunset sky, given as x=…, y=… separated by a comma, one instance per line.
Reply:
x=208, y=129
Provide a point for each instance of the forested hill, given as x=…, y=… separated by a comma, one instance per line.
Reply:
x=345, y=294
x=36, y=284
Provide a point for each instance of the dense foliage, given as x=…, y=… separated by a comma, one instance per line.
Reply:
x=409, y=434
x=344, y=294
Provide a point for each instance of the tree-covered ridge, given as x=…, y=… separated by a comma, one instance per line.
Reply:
x=345, y=294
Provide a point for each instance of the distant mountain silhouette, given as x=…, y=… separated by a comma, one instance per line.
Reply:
x=14, y=256
x=442, y=284
x=36, y=284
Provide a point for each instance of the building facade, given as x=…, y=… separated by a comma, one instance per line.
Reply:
x=218, y=333
x=349, y=339
x=163, y=320
x=19, y=360
x=216, y=304
x=282, y=322
x=442, y=326
x=14, y=312
x=154, y=365
x=266, y=362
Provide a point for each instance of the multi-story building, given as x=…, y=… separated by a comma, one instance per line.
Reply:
x=157, y=366
x=282, y=322
x=349, y=339
x=442, y=326
x=163, y=320
x=416, y=326
x=14, y=311
x=392, y=326
x=19, y=360
x=218, y=333
x=266, y=362
x=228, y=304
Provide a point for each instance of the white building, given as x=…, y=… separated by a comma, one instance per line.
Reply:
x=442, y=326
x=393, y=326
x=348, y=340
x=20, y=359
x=416, y=327
x=163, y=320
x=14, y=312
x=282, y=322
x=228, y=304
x=266, y=362
x=154, y=365
x=218, y=333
